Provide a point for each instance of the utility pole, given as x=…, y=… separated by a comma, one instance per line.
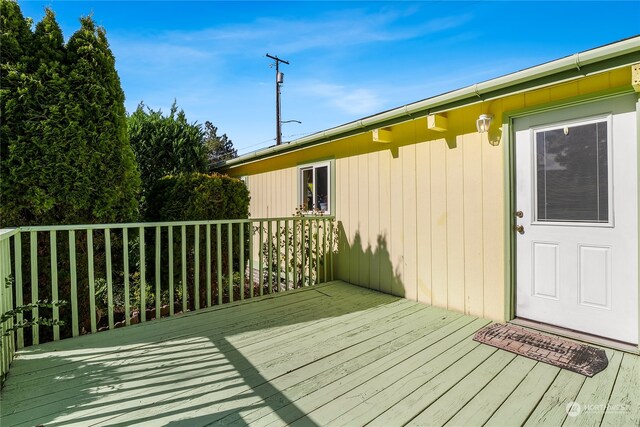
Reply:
x=279, y=81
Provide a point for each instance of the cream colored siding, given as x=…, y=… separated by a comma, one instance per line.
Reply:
x=423, y=216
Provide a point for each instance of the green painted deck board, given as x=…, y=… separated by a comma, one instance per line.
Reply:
x=552, y=408
x=351, y=398
x=525, y=397
x=599, y=387
x=479, y=409
x=334, y=354
x=624, y=402
x=458, y=396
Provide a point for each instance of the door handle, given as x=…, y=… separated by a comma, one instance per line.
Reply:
x=520, y=229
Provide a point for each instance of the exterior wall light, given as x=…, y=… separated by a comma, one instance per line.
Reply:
x=483, y=123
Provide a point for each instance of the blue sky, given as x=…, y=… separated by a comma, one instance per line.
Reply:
x=348, y=59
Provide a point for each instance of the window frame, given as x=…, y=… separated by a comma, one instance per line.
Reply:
x=608, y=118
x=330, y=182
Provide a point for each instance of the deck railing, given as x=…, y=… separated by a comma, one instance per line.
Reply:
x=82, y=279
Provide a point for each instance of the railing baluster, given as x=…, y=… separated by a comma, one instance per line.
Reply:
x=331, y=243
x=317, y=254
x=183, y=231
x=286, y=254
x=143, y=277
x=54, y=283
x=230, y=259
x=277, y=248
x=241, y=234
x=196, y=267
x=171, y=287
x=125, y=260
x=250, y=259
x=17, y=262
x=7, y=345
x=158, y=272
x=75, y=329
x=208, y=265
x=35, y=312
x=270, y=256
x=310, y=252
x=260, y=261
x=324, y=250
x=294, y=255
x=219, y=259
x=107, y=248
x=303, y=253
x=92, y=282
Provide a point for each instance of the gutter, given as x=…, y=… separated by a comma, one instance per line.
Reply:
x=581, y=64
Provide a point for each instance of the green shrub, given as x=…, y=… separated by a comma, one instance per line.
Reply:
x=197, y=196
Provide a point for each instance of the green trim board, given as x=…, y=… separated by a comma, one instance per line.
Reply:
x=638, y=180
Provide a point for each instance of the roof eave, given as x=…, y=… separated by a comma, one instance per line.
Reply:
x=582, y=64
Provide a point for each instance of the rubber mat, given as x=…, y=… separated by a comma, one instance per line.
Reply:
x=565, y=354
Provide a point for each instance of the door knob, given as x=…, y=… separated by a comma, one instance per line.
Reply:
x=520, y=229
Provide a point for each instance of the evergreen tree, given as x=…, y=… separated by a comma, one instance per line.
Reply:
x=218, y=148
x=165, y=144
x=65, y=151
x=106, y=179
x=15, y=49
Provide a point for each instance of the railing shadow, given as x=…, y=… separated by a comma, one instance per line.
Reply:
x=212, y=366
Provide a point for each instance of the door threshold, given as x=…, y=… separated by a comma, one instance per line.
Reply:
x=576, y=335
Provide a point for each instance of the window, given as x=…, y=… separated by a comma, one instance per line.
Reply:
x=314, y=190
x=572, y=173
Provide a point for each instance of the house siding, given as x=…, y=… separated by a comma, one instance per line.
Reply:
x=422, y=217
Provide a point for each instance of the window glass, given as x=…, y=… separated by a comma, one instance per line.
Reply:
x=572, y=173
x=315, y=188
x=307, y=189
x=322, y=188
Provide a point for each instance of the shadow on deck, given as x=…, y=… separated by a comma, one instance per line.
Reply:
x=330, y=354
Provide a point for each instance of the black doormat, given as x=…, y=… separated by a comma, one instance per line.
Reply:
x=580, y=358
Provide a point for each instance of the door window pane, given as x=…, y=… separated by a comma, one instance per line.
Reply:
x=572, y=173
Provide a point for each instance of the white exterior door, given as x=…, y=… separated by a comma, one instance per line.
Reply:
x=576, y=201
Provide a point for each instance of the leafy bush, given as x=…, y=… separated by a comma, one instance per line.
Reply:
x=303, y=262
x=197, y=196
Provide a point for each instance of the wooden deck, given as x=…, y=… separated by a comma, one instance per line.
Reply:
x=334, y=354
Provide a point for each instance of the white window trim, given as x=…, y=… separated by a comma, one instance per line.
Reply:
x=314, y=166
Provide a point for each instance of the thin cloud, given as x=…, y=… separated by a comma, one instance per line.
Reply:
x=350, y=100
x=350, y=28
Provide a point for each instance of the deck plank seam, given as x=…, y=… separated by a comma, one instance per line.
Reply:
x=411, y=371
x=482, y=388
x=358, y=369
x=358, y=384
x=510, y=393
x=446, y=390
x=409, y=306
x=171, y=337
x=266, y=338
